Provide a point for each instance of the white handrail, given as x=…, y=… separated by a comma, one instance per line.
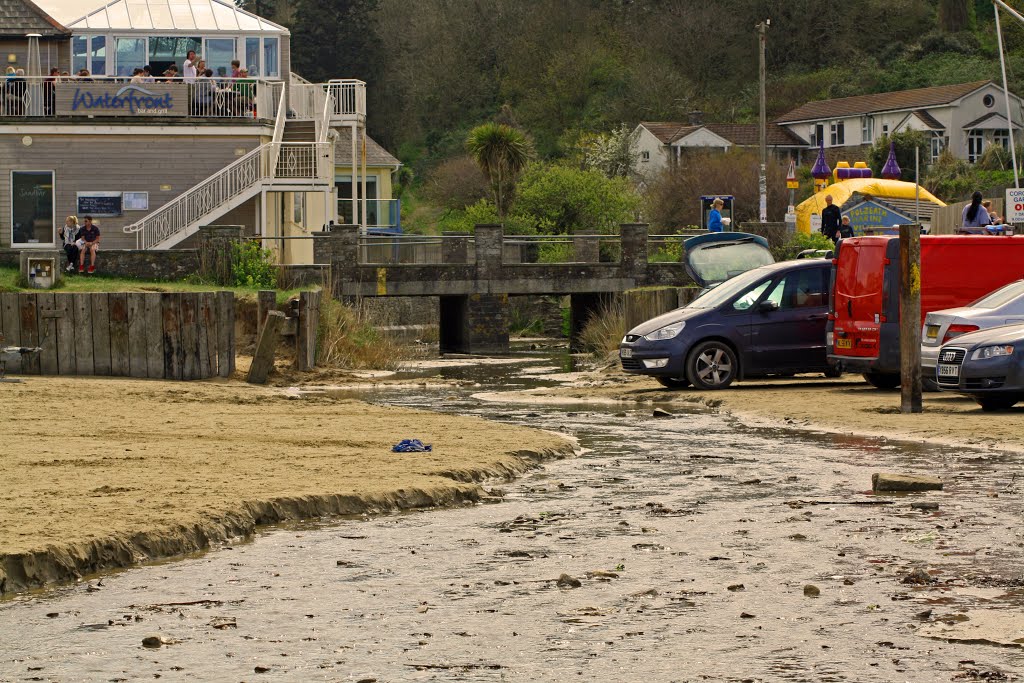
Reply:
x=288, y=162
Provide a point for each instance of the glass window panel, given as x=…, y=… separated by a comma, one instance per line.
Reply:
x=32, y=207
x=99, y=56
x=270, y=47
x=167, y=50
x=79, y=53
x=219, y=53
x=252, y=56
x=129, y=54
x=247, y=23
x=117, y=14
x=138, y=15
x=161, y=16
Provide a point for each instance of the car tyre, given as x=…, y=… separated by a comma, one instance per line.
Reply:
x=882, y=380
x=833, y=372
x=992, y=403
x=673, y=382
x=712, y=365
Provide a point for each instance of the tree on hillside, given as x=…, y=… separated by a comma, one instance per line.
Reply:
x=502, y=153
x=614, y=153
x=336, y=38
x=955, y=15
x=563, y=200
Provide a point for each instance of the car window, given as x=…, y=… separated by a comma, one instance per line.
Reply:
x=750, y=297
x=807, y=289
x=777, y=292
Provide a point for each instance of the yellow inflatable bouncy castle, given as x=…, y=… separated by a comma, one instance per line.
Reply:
x=876, y=188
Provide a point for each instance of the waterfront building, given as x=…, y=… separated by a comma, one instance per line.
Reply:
x=154, y=157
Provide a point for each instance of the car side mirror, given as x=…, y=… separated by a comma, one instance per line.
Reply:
x=767, y=306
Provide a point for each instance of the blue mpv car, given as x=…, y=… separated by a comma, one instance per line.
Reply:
x=757, y=318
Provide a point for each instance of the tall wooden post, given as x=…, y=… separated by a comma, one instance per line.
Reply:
x=762, y=178
x=910, y=318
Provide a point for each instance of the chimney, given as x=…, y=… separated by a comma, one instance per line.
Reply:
x=696, y=117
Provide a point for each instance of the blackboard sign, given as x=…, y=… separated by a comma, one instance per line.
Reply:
x=99, y=204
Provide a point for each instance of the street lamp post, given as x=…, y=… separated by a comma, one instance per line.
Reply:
x=762, y=180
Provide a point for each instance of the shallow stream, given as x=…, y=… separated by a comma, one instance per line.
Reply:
x=694, y=548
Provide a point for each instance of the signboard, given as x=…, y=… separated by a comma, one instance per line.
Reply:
x=815, y=222
x=109, y=98
x=791, y=182
x=136, y=201
x=872, y=217
x=1014, y=206
x=99, y=204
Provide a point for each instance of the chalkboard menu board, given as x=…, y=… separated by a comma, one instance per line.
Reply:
x=99, y=204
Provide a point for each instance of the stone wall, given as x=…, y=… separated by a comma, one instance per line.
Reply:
x=173, y=264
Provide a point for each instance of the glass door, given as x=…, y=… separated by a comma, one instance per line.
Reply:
x=32, y=208
x=218, y=54
x=129, y=54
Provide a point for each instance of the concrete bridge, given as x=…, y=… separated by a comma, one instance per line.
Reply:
x=473, y=278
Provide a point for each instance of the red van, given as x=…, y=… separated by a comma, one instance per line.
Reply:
x=863, y=328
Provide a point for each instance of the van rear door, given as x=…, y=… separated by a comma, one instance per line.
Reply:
x=858, y=302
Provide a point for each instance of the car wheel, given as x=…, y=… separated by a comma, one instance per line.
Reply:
x=882, y=380
x=673, y=383
x=929, y=385
x=711, y=365
x=990, y=403
x=833, y=372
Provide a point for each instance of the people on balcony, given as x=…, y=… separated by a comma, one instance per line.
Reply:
x=204, y=89
x=14, y=89
x=50, y=91
x=191, y=71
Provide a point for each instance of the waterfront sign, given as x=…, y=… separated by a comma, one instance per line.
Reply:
x=99, y=204
x=120, y=99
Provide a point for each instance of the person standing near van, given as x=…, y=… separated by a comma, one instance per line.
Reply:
x=715, y=216
x=975, y=215
x=831, y=217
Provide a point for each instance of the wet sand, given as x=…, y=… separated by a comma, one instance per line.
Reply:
x=847, y=405
x=99, y=474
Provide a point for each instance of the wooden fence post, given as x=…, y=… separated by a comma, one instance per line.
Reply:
x=263, y=358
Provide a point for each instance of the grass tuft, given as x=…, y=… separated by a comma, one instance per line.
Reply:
x=347, y=339
x=603, y=332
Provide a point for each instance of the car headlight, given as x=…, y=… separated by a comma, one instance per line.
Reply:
x=668, y=332
x=992, y=352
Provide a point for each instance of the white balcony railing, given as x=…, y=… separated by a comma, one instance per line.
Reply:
x=307, y=100
x=107, y=96
x=282, y=163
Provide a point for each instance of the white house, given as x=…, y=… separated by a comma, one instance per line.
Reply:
x=661, y=144
x=964, y=118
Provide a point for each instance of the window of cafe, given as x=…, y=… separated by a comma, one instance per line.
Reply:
x=260, y=55
x=32, y=208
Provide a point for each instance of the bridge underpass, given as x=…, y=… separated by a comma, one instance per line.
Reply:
x=474, y=278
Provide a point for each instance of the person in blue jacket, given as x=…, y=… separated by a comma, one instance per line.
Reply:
x=715, y=217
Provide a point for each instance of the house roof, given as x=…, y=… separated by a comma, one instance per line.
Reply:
x=990, y=121
x=878, y=102
x=375, y=154
x=742, y=134
x=929, y=120
x=20, y=17
x=205, y=16
x=748, y=134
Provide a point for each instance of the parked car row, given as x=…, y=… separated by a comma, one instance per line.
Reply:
x=758, y=318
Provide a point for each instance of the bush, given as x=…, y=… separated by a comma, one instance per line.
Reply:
x=456, y=183
x=563, y=200
x=603, y=332
x=799, y=242
x=252, y=266
x=484, y=212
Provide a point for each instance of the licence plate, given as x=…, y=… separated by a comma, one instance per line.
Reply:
x=949, y=371
x=625, y=353
x=932, y=332
x=844, y=343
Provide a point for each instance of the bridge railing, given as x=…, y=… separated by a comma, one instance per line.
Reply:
x=525, y=249
x=416, y=249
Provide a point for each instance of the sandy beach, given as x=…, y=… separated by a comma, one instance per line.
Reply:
x=99, y=474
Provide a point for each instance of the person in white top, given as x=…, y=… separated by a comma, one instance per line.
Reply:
x=190, y=71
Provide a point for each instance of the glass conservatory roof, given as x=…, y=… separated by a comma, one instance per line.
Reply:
x=148, y=16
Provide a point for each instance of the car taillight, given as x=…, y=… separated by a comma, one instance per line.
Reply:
x=955, y=331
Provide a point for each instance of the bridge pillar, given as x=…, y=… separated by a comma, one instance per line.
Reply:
x=455, y=247
x=477, y=323
x=634, y=251
x=586, y=249
x=582, y=307
x=338, y=247
x=490, y=246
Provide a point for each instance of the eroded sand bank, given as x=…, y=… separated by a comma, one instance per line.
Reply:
x=98, y=474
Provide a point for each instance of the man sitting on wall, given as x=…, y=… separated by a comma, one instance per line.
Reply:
x=88, y=243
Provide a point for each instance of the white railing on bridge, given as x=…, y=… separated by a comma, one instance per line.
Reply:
x=283, y=163
x=99, y=97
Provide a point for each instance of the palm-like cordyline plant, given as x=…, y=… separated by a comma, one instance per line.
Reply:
x=502, y=153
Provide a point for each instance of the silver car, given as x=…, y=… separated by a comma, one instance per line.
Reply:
x=1005, y=306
